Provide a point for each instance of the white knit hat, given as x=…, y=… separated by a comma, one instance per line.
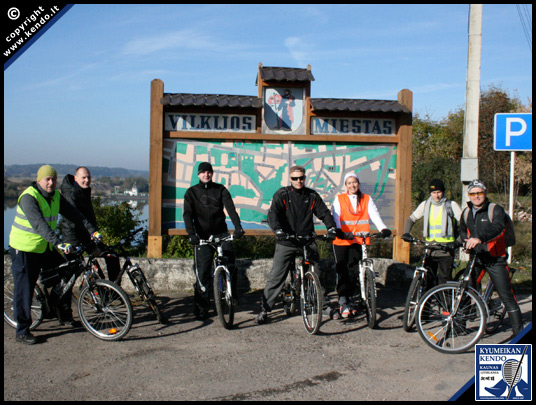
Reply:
x=351, y=174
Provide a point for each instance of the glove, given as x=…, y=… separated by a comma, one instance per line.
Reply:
x=280, y=235
x=385, y=233
x=194, y=239
x=96, y=236
x=65, y=247
x=238, y=233
x=407, y=237
x=332, y=233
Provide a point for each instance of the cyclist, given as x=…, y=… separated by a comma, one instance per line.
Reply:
x=487, y=239
x=352, y=212
x=204, y=216
x=292, y=212
x=441, y=217
x=32, y=241
x=77, y=190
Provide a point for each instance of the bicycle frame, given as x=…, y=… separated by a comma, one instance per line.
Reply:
x=219, y=261
x=365, y=263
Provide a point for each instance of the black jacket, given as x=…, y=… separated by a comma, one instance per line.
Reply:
x=490, y=233
x=292, y=211
x=203, y=210
x=81, y=199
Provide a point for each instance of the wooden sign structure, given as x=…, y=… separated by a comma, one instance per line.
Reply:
x=252, y=141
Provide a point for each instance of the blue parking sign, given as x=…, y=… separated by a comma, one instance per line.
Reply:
x=513, y=132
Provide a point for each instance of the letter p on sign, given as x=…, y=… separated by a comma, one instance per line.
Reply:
x=513, y=132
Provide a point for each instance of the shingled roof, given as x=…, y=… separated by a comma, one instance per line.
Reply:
x=210, y=100
x=357, y=105
x=282, y=74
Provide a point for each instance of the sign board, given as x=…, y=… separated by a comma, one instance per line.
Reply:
x=512, y=132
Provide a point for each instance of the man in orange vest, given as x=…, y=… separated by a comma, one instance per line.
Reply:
x=352, y=212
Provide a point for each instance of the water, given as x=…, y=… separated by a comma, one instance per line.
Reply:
x=10, y=209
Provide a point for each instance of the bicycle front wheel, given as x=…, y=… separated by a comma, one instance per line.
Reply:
x=370, y=293
x=36, y=308
x=223, y=298
x=412, y=300
x=311, y=303
x=445, y=330
x=105, y=310
x=146, y=293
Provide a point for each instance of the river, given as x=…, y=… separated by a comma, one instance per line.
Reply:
x=10, y=210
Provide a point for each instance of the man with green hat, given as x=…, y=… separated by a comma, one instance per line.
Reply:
x=440, y=218
x=32, y=241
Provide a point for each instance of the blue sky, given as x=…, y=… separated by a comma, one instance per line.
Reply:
x=80, y=94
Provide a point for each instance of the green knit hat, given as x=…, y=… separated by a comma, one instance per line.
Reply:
x=45, y=171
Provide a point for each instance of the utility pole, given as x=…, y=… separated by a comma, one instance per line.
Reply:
x=469, y=168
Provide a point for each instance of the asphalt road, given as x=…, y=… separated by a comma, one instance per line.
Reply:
x=195, y=360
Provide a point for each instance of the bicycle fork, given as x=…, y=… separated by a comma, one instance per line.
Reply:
x=227, y=281
x=363, y=266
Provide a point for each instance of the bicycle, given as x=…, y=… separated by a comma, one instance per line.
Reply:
x=134, y=272
x=452, y=317
x=304, y=286
x=103, y=307
x=424, y=278
x=367, y=279
x=222, y=284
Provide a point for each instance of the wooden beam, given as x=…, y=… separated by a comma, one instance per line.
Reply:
x=401, y=249
x=154, y=248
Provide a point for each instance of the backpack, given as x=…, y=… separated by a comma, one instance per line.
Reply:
x=450, y=213
x=509, y=234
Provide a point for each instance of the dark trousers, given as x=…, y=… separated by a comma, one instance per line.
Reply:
x=284, y=260
x=203, y=259
x=26, y=268
x=347, y=265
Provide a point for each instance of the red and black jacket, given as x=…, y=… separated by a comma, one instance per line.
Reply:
x=491, y=234
x=293, y=211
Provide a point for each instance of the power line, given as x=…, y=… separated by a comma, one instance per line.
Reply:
x=524, y=14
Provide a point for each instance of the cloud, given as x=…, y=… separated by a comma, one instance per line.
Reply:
x=300, y=50
x=184, y=39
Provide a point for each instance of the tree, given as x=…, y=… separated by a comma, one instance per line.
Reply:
x=437, y=149
x=115, y=221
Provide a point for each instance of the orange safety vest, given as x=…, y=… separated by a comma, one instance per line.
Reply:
x=351, y=221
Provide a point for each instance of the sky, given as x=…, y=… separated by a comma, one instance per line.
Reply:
x=80, y=94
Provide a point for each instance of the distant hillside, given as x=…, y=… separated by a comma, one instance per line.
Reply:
x=63, y=169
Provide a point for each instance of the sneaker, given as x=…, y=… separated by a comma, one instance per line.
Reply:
x=70, y=322
x=27, y=339
x=345, y=311
x=261, y=318
x=354, y=309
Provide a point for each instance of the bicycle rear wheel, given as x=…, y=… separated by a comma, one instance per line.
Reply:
x=444, y=330
x=105, y=310
x=36, y=309
x=223, y=298
x=497, y=311
x=146, y=293
x=311, y=303
x=370, y=293
x=412, y=300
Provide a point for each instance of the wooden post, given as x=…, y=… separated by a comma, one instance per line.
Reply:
x=401, y=249
x=154, y=245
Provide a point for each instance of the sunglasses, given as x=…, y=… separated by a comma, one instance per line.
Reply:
x=297, y=178
x=480, y=194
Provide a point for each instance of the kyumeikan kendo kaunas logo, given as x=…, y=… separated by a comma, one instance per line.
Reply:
x=503, y=372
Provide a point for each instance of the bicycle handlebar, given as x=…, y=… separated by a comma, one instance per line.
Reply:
x=216, y=240
x=435, y=245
